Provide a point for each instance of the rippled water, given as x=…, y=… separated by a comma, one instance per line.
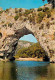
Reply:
x=27, y=70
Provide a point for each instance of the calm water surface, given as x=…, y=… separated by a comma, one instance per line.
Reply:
x=27, y=70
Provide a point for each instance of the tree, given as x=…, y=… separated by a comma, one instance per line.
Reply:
x=52, y=2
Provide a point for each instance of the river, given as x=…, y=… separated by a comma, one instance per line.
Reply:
x=27, y=70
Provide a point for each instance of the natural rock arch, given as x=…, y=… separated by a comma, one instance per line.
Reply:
x=12, y=30
x=15, y=33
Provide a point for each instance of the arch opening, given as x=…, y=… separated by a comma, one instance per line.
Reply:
x=29, y=47
x=29, y=38
x=27, y=50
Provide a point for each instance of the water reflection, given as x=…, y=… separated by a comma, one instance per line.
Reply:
x=8, y=71
x=30, y=70
x=21, y=70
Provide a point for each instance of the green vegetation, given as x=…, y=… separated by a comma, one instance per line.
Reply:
x=43, y=13
x=1, y=11
x=16, y=17
x=40, y=16
x=7, y=10
x=27, y=12
x=40, y=9
x=10, y=24
x=31, y=19
x=32, y=15
x=33, y=51
x=48, y=14
x=4, y=25
x=45, y=9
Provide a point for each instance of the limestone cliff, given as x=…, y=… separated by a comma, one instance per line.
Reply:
x=14, y=23
x=24, y=44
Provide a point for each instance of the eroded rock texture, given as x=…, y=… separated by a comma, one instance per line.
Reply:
x=12, y=30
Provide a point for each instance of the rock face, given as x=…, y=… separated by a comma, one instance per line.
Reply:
x=24, y=44
x=52, y=2
x=12, y=29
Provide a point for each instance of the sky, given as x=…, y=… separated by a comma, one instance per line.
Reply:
x=28, y=4
x=29, y=37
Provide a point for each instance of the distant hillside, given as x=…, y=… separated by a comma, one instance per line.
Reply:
x=23, y=44
x=26, y=44
x=34, y=50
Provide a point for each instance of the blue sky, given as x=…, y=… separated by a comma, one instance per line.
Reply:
x=29, y=37
x=21, y=3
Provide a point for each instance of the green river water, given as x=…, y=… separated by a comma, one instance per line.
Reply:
x=27, y=70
